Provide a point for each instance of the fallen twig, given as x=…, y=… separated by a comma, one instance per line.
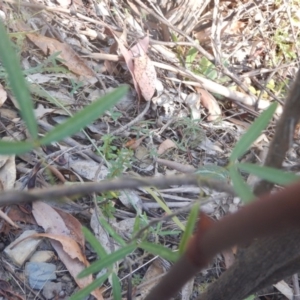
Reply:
x=14, y=197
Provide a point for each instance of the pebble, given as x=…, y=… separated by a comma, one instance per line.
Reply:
x=18, y=251
x=39, y=274
x=52, y=289
x=42, y=256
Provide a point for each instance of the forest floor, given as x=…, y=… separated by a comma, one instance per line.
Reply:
x=198, y=76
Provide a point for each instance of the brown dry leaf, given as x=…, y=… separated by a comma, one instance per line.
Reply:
x=69, y=245
x=74, y=266
x=67, y=54
x=74, y=226
x=128, y=56
x=155, y=269
x=48, y=218
x=17, y=215
x=210, y=103
x=140, y=67
x=8, y=172
x=141, y=47
x=145, y=76
x=166, y=145
x=54, y=224
x=135, y=143
x=3, y=95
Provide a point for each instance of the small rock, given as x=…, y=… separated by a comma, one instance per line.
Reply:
x=42, y=256
x=19, y=252
x=39, y=273
x=236, y=200
x=52, y=289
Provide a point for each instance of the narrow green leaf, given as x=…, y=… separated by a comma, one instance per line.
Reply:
x=165, y=208
x=8, y=147
x=273, y=175
x=116, y=287
x=17, y=82
x=189, y=228
x=112, y=232
x=136, y=225
x=82, y=294
x=253, y=132
x=101, y=252
x=160, y=251
x=191, y=55
x=107, y=261
x=239, y=185
x=85, y=116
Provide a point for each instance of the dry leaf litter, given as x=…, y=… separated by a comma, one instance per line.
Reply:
x=199, y=74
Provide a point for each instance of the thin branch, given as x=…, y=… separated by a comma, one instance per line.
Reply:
x=56, y=192
x=283, y=137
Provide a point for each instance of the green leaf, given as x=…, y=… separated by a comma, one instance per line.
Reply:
x=239, y=185
x=160, y=251
x=107, y=261
x=101, y=252
x=116, y=287
x=136, y=225
x=112, y=232
x=253, y=132
x=82, y=294
x=189, y=228
x=273, y=175
x=17, y=82
x=191, y=55
x=8, y=147
x=165, y=207
x=85, y=116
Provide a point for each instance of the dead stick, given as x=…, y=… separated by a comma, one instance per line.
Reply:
x=14, y=197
